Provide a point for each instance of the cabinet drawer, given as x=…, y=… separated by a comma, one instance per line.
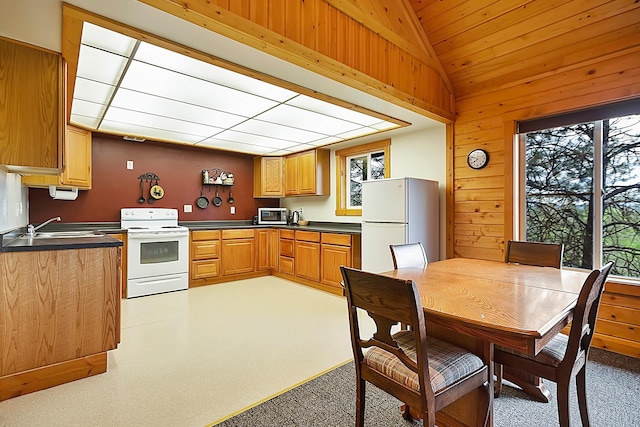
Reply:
x=206, y=249
x=308, y=236
x=205, y=235
x=287, y=234
x=336, y=239
x=205, y=268
x=286, y=248
x=287, y=265
x=243, y=233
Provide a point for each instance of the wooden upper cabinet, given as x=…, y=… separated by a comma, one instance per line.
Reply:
x=77, y=163
x=291, y=167
x=307, y=173
x=268, y=177
x=31, y=110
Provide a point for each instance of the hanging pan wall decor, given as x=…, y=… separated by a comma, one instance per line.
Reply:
x=202, y=201
x=156, y=192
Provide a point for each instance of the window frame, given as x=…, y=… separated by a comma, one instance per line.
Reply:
x=598, y=191
x=341, y=172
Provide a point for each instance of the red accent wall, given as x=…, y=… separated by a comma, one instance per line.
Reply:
x=180, y=170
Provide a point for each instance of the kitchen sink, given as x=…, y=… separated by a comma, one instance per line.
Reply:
x=62, y=235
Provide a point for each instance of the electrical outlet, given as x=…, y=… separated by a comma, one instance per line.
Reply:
x=233, y=210
x=188, y=208
x=130, y=164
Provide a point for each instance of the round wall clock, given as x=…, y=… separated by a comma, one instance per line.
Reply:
x=478, y=158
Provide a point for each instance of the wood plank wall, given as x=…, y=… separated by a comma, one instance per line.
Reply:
x=318, y=36
x=483, y=200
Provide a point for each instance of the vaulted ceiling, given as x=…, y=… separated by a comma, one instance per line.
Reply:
x=485, y=45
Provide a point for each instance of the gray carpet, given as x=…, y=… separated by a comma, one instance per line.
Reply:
x=613, y=392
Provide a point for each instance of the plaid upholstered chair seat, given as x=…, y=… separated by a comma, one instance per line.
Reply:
x=448, y=363
x=552, y=354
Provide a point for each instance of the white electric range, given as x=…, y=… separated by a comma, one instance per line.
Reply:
x=157, y=251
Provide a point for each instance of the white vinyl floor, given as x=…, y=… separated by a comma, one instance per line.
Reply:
x=192, y=358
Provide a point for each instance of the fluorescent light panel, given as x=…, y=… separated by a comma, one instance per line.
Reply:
x=172, y=97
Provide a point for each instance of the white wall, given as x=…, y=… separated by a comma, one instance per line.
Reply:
x=13, y=202
x=418, y=154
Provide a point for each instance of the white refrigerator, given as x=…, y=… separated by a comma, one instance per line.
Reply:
x=397, y=211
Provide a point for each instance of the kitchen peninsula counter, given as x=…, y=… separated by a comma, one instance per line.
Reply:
x=60, y=305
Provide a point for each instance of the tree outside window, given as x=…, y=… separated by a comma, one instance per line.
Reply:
x=362, y=168
x=582, y=188
x=356, y=165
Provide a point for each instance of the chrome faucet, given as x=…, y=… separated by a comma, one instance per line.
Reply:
x=31, y=230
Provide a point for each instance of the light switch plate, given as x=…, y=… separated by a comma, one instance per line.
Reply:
x=188, y=208
x=130, y=164
x=233, y=210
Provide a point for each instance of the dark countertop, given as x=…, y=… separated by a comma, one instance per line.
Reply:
x=12, y=242
x=326, y=227
x=15, y=243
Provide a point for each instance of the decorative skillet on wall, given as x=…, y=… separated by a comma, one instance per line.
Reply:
x=202, y=201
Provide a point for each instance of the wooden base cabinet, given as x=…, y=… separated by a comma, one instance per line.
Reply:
x=287, y=252
x=60, y=322
x=311, y=258
x=205, y=256
x=238, y=251
x=307, y=255
x=337, y=250
x=267, y=244
x=274, y=249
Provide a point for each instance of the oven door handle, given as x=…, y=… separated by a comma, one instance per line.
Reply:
x=160, y=237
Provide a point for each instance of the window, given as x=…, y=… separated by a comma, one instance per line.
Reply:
x=355, y=165
x=581, y=187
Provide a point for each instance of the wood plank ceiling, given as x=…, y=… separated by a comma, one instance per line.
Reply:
x=485, y=46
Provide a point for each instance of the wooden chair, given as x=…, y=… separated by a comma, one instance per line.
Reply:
x=565, y=357
x=425, y=373
x=535, y=253
x=408, y=255
x=529, y=253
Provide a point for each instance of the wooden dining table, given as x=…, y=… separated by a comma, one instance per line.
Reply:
x=479, y=304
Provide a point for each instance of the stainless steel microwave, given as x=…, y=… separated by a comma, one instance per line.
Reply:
x=272, y=215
